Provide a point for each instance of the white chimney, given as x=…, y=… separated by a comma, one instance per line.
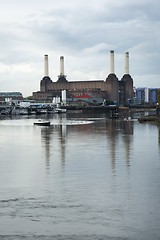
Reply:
x=112, y=62
x=146, y=95
x=126, y=68
x=64, y=96
x=46, y=65
x=62, y=65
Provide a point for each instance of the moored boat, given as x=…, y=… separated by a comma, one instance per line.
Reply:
x=60, y=110
x=42, y=122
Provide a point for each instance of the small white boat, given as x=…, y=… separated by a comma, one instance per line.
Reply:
x=60, y=110
x=42, y=122
x=23, y=111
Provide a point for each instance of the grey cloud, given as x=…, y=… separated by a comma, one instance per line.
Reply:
x=82, y=30
x=86, y=31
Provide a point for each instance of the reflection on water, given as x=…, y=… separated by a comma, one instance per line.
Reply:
x=58, y=130
x=116, y=130
x=111, y=129
x=84, y=177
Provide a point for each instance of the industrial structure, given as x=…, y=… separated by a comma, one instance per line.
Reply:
x=111, y=88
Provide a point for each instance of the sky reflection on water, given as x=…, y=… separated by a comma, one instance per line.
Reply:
x=85, y=177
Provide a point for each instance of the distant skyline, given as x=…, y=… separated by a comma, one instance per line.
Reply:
x=83, y=32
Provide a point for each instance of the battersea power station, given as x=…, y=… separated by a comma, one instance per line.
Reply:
x=109, y=89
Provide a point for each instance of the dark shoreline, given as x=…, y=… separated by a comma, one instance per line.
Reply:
x=153, y=119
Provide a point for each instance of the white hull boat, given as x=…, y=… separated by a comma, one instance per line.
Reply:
x=41, y=122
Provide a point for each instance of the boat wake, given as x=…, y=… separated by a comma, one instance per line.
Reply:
x=73, y=122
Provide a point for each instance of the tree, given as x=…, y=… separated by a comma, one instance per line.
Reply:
x=29, y=97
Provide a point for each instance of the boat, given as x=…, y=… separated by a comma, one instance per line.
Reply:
x=42, y=122
x=23, y=111
x=41, y=110
x=60, y=110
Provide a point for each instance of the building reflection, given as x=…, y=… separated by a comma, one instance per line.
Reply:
x=119, y=138
x=127, y=130
x=62, y=138
x=112, y=136
x=46, y=134
x=159, y=137
x=50, y=135
x=119, y=129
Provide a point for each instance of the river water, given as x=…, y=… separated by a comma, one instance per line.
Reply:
x=85, y=177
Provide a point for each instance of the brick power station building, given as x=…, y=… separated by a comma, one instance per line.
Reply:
x=109, y=89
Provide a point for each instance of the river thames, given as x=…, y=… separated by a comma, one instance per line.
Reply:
x=85, y=177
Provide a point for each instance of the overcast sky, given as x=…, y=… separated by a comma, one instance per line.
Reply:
x=84, y=32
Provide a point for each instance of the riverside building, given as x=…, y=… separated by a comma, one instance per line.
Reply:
x=6, y=96
x=111, y=88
